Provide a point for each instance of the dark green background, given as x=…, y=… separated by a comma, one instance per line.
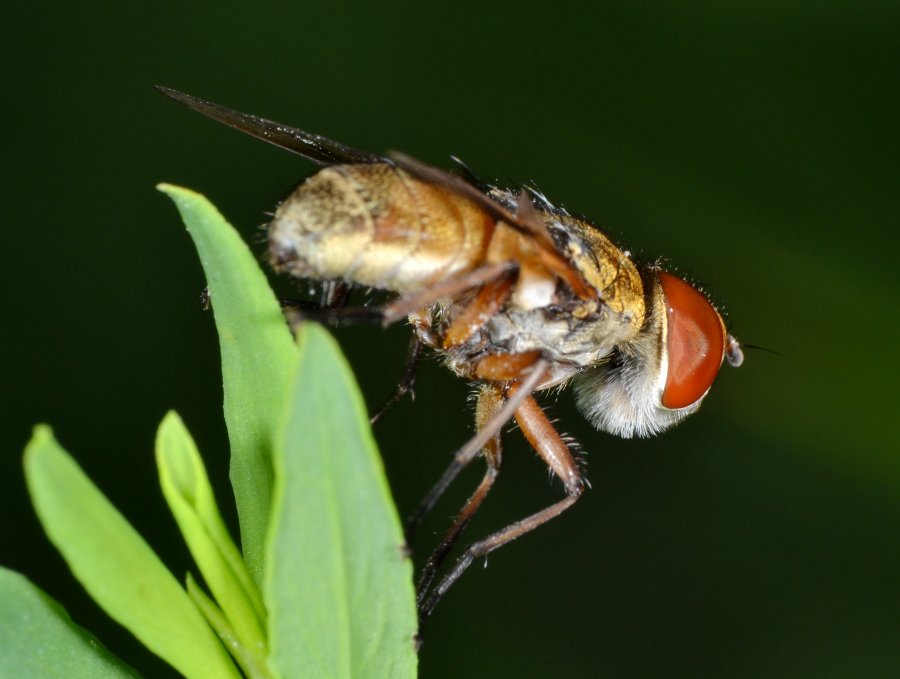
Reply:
x=753, y=145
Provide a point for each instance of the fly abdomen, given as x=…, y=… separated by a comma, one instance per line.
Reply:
x=376, y=225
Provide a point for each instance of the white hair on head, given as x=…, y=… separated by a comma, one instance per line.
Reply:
x=623, y=395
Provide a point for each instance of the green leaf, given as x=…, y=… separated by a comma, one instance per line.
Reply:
x=117, y=568
x=254, y=666
x=257, y=361
x=39, y=639
x=338, y=586
x=186, y=488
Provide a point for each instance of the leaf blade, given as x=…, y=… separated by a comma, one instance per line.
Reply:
x=339, y=587
x=39, y=639
x=257, y=360
x=189, y=495
x=114, y=564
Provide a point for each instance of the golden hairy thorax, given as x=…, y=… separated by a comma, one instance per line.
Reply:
x=604, y=266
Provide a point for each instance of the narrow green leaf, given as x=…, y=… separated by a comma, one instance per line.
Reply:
x=254, y=666
x=117, y=568
x=186, y=488
x=257, y=361
x=39, y=639
x=338, y=586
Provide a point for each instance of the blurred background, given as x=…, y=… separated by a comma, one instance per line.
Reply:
x=752, y=145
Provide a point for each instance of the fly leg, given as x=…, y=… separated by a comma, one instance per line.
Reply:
x=556, y=454
x=331, y=311
x=448, y=288
x=490, y=399
x=490, y=298
x=475, y=445
x=335, y=294
x=403, y=306
x=407, y=380
x=423, y=336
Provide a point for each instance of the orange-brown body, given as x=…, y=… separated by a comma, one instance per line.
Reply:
x=377, y=225
x=491, y=280
x=515, y=297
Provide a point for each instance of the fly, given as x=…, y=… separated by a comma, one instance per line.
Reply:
x=516, y=295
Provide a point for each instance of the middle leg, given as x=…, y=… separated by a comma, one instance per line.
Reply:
x=556, y=454
x=468, y=452
x=490, y=399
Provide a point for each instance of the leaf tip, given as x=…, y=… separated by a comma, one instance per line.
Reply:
x=168, y=432
x=42, y=432
x=176, y=458
x=41, y=435
x=183, y=197
x=173, y=190
x=171, y=419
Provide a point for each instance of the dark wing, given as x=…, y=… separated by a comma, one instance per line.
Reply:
x=527, y=219
x=327, y=152
x=318, y=149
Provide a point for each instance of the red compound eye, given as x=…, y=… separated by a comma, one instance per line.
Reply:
x=696, y=343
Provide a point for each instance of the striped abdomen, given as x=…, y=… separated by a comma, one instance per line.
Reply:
x=376, y=225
